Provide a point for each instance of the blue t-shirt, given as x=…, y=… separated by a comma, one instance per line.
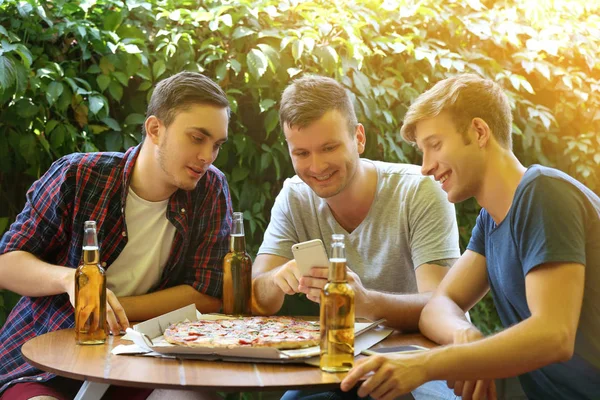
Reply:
x=553, y=218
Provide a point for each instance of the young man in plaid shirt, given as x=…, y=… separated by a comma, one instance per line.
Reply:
x=163, y=215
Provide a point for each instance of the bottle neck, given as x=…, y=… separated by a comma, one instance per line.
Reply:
x=337, y=270
x=237, y=243
x=91, y=255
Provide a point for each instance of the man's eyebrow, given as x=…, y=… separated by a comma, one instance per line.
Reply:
x=207, y=133
x=203, y=131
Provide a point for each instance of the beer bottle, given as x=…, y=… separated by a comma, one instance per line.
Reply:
x=90, y=291
x=237, y=272
x=337, y=313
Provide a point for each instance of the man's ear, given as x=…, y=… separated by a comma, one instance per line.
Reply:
x=361, y=138
x=152, y=126
x=482, y=131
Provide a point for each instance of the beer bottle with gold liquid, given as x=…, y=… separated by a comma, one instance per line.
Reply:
x=237, y=272
x=90, y=292
x=337, y=313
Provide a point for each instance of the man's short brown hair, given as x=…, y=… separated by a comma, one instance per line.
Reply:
x=180, y=91
x=466, y=97
x=308, y=98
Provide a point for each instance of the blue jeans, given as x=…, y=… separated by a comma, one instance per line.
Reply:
x=434, y=390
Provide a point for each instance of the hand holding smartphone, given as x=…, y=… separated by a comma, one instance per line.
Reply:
x=310, y=254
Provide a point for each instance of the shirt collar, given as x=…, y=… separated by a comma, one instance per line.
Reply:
x=131, y=156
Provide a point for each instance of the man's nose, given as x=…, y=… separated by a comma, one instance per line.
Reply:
x=318, y=164
x=428, y=166
x=205, y=155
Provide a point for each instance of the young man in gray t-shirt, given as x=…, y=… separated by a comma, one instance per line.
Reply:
x=401, y=233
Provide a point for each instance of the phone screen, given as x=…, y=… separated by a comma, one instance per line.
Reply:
x=394, y=349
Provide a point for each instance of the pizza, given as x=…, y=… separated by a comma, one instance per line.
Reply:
x=277, y=332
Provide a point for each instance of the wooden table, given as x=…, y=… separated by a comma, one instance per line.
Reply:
x=57, y=352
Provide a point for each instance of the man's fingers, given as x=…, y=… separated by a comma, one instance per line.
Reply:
x=118, y=310
x=468, y=389
x=458, y=387
x=480, y=390
x=450, y=384
x=320, y=272
x=317, y=283
x=491, y=391
x=380, y=388
x=113, y=325
x=95, y=319
x=361, y=368
x=284, y=285
x=84, y=313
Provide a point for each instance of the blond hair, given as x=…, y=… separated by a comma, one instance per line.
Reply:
x=466, y=97
x=307, y=99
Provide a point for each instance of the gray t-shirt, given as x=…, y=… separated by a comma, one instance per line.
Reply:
x=409, y=223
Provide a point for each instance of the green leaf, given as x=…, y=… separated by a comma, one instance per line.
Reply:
x=26, y=109
x=57, y=137
x=266, y=104
x=297, y=49
x=96, y=104
x=112, y=20
x=112, y=124
x=94, y=69
x=103, y=81
x=265, y=161
x=293, y=71
x=115, y=90
x=121, y=77
x=50, y=125
x=7, y=72
x=271, y=120
x=135, y=119
x=257, y=63
x=113, y=141
x=158, y=68
x=328, y=56
x=132, y=49
x=235, y=65
x=362, y=83
x=221, y=71
x=144, y=86
x=239, y=173
x=242, y=31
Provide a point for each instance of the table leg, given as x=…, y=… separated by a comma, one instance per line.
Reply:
x=91, y=391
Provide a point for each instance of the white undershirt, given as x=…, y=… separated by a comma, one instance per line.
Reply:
x=150, y=236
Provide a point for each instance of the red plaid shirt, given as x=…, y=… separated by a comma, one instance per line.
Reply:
x=93, y=186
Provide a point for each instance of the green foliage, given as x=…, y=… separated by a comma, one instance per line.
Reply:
x=76, y=76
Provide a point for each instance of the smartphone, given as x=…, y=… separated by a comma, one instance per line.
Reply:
x=411, y=348
x=310, y=254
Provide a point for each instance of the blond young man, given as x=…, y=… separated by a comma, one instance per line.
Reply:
x=535, y=246
x=401, y=234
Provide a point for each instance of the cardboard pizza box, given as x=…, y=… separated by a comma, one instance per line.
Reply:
x=149, y=341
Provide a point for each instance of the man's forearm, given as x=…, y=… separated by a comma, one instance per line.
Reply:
x=524, y=347
x=440, y=318
x=146, y=306
x=401, y=311
x=27, y=275
x=267, y=296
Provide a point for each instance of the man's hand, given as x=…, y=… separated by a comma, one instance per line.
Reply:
x=115, y=314
x=287, y=277
x=394, y=375
x=313, y=285
x=481, y=389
